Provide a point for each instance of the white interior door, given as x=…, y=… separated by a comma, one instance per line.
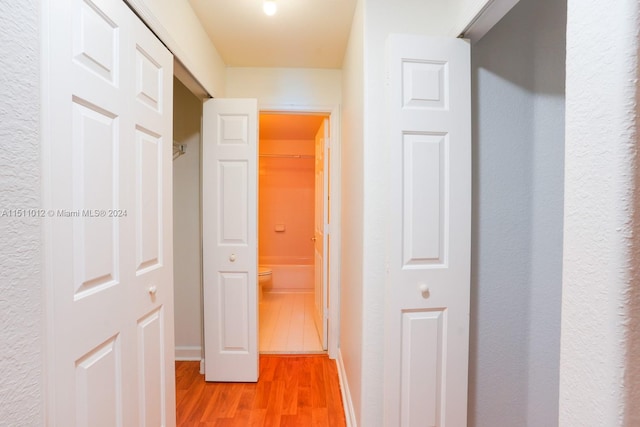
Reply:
x=320, y=235
x=230, y=249
x=427, y=312
x=108, y=226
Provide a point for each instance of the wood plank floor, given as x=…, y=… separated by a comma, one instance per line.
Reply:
x=295, y=390
x=287, y=325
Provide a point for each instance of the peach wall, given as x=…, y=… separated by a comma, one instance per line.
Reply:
x=286, y=197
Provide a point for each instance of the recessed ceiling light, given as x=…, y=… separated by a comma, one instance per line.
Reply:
x=270, y=7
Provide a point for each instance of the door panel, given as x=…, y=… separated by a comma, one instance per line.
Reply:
x=109, y=225
x=424, y=185
x=151, y=374
x=422, y=367
x=148, y=202
x=99, y=386
x=234, y=197
x=96, y=40
x=95, y=141
x=427, y=313
x=230, y=249
x=148, y=80
x=235, y=311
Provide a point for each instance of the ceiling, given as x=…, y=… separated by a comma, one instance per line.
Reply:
x=302, y=34
x=289, y=126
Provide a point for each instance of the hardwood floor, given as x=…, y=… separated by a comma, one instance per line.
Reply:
x=294, y=390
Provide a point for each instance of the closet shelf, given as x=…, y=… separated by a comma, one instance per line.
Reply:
x=289, y=156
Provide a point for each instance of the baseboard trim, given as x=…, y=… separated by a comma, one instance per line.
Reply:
x=349, y=412
x=189, y=353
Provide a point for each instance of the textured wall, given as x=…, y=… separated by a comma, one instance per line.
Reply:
x=501, y=232
x=187, y=252
x=21, y=312
x=518, y=72
x=600, y=373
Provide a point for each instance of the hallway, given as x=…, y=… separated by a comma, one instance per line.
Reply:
x=292, y=391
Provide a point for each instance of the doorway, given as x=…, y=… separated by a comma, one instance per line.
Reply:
x=230, y=244
x=292, y=213
x=188, y=286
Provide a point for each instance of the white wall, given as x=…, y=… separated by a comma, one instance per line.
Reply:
x=351, y=281
x=518, y=81
x=600, y=373
x=21, y=295
x=285, y=86
x=547, y=23
x=187, y=250
x=177, y=25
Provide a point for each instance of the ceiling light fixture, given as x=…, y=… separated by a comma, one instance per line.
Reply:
x=270, y=7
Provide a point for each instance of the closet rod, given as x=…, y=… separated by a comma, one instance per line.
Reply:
x=178, y=149
x=289, y=156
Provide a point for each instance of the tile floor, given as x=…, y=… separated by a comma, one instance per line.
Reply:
x=287, y=325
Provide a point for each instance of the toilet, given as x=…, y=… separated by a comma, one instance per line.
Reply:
x=264, y=280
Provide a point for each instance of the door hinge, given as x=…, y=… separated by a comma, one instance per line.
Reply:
x=326, y=229
x=325, y=315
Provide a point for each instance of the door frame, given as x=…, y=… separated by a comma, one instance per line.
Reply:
x=333, y=278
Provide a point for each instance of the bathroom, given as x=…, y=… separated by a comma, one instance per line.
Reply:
x=286, y=231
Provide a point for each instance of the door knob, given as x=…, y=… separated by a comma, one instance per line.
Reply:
x=424, y=290
x=152, y=290
x=232, y=257
x=313, y=238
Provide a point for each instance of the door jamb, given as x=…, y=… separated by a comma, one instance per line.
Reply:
x=333, y=279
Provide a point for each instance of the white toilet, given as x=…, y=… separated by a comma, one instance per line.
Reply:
x=264, y=280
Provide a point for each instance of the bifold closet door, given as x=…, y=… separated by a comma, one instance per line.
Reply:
x=428, y=283
x=108, y=217
x=230, y=239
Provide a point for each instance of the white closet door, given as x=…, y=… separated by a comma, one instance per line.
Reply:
x=108, y=205
x=230, y=239
x=427, y=312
